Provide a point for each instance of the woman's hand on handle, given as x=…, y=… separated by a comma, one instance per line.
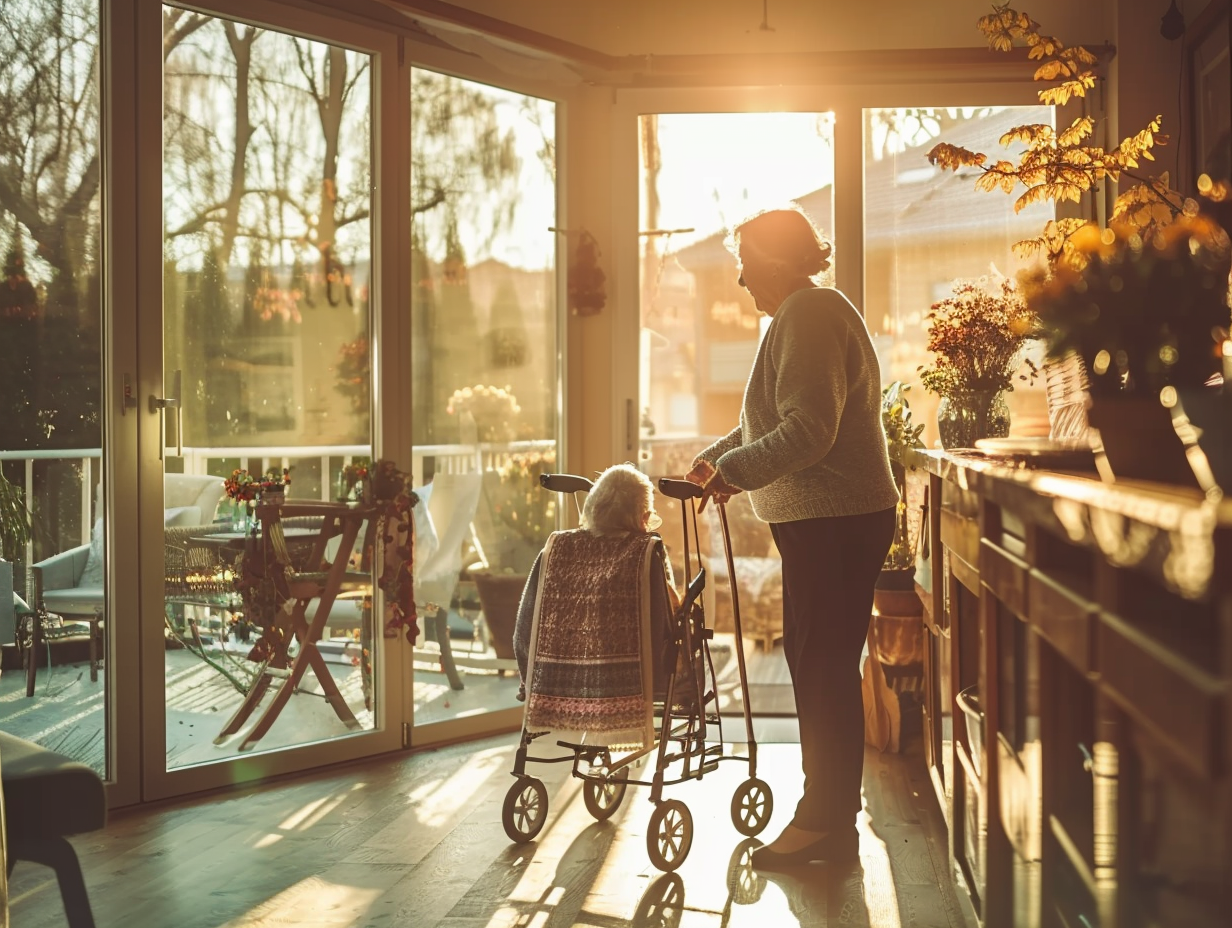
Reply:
x=705, y=475
x=701, y=473
x=718, y=490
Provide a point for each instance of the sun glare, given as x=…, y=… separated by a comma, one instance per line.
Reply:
x=717, y=168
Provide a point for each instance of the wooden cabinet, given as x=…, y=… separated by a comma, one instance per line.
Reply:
x=1077, y=706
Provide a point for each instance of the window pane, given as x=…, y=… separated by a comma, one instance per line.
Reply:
x=50, y=318
x=267, y=260
x=485, y=376
x=924, y=227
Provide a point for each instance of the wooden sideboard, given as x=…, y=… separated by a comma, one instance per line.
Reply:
x=1091, y=626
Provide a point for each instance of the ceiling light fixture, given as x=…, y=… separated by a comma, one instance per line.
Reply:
x=765, y=16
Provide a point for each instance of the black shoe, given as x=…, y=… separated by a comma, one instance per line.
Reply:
x=833, y=847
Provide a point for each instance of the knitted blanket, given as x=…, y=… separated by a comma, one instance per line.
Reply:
x=590, y=657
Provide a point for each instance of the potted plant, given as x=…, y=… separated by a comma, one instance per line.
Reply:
x=1149, y=318
x=977, y=337
x=902, y=437
x=896, y=627
x=523, y=515
x=16, y=527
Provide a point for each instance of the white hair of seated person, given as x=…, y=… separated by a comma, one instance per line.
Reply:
x=621, y=501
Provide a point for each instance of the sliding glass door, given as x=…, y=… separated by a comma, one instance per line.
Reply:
x=277, y=259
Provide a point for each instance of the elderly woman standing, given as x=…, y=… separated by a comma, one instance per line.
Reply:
x=811, y=452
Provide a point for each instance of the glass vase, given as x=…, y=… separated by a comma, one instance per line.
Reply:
x=241, y=516
x=964, y=418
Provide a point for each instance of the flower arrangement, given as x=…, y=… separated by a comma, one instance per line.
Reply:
x=977, y=336
x=351, y=476
x=1143, y=315
x=243, y=486
x=494, y=410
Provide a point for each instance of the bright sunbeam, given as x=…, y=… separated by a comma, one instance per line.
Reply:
x=313, y=812
x=879, y=893
x=303, y=903
x=436, y=801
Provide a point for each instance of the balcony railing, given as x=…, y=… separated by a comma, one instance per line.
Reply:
x=426, y=461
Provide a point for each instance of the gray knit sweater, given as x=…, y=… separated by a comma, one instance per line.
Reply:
x=810, y=441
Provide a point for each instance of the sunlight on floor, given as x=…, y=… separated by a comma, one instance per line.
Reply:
x=437, y=800
x=304, y=902
x=313, y=812
x=879, y=894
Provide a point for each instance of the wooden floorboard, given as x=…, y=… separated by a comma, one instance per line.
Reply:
x=416, y=841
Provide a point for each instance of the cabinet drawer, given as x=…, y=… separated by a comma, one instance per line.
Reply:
x=1064, y=618
x=1178, y=703
x=961, y=535
x=1005, y=575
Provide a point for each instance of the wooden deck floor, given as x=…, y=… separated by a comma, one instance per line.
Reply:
x=66, y=713
x=416, y=841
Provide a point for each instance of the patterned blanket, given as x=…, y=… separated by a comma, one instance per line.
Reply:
x=590, y=657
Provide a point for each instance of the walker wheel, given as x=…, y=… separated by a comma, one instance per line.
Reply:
x=525, y=809
x=603, y=797
x=670, y=834
x=751, y=806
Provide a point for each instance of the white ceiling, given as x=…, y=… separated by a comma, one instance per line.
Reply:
x=686, y=27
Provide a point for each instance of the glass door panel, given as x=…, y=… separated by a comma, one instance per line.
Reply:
x=267, y=351
x=485, y=378
x=701, y=174
x=56, y=682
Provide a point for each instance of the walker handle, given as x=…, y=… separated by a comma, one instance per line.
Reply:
x=565, y=483
x=679, y=489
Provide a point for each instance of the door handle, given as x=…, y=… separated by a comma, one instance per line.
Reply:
x=160, y=405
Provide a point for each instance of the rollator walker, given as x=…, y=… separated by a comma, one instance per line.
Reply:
x=689, y=731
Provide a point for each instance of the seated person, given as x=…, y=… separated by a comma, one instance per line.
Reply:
x=620, y=504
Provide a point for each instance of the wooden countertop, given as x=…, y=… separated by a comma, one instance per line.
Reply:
x=1173, y=533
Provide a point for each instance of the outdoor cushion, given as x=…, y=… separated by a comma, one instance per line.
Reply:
x=75, y=600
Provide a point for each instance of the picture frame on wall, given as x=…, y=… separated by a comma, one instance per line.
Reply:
x=1209, y=66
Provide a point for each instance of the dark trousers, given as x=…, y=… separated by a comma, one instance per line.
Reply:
x=830, y=567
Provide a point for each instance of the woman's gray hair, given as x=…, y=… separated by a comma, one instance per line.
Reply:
x=618, y=501
x=783, y=235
